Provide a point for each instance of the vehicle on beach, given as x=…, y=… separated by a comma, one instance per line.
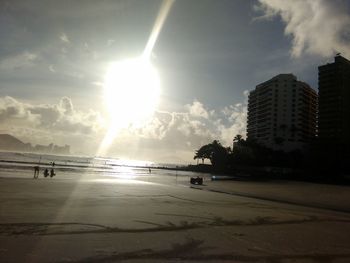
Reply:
x=196, y=180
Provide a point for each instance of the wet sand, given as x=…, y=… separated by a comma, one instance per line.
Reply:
x=160, y=219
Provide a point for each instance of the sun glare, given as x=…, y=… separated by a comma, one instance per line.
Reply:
x=131, y=92
x=131, y=87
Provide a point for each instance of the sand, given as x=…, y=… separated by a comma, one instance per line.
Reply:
x=157, y=218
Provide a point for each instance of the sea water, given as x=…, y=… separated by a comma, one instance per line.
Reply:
x=21, y=165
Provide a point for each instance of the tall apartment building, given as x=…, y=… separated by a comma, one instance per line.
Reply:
x=282, y=113
x=334, y=102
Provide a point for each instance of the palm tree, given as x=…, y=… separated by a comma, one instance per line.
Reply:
x=238, y=141
x=203, y=153
x=219, y=154
x=215, y=152
x=238, y=138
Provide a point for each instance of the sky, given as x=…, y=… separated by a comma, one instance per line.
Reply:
x=54, y=56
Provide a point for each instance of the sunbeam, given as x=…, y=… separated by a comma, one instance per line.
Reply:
x=132, y=86
x=158, y=25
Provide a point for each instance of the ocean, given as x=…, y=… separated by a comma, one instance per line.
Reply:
x=21, y=165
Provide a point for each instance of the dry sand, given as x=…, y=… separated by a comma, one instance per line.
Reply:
x=159, y=219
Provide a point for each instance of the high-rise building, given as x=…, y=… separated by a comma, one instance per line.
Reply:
x=282, y=113
x=334, y=102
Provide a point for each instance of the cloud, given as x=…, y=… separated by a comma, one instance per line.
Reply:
x=110, y=42
x=196, y=109
x=13, y=111
x=52, y=69
x=62, y=118
x=195, y=126
x=21, y=60
x=66, y=105
x=317, y=27
x=166, y=134
x=64, y=38
x=56, y=118
x=174, y=136
x=237, y=118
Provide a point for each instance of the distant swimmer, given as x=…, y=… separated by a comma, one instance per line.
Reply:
x=36, y=171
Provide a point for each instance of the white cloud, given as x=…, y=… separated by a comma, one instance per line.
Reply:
x=237, y=116
x=196, y=109
x=74, y=74
x=66, y=105
x=52, y=68
x=110, y=42
x=197, y=126
x=13, y=111
x=64, y=38
x=21, y=60
x=56, y=118
x=319, y=27
x=167, y=134
x=97, y=83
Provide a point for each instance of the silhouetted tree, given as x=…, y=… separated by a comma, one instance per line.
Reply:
x=238, y=138
x=219, y=154
x=279, y=141
x=247, y=154
x=203, y=153
x=215, y=152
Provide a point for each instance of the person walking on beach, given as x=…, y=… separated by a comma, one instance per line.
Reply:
x=52, y=173
x=46, y=172
x=36, y=171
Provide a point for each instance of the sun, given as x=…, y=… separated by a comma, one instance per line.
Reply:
x=131, y=92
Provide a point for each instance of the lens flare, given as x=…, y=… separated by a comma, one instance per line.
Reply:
x=132, y=87
x=131, y=92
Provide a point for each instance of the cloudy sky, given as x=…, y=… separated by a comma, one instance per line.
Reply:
x=54, y=56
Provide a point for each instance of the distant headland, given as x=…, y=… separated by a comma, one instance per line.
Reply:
x=11, y=143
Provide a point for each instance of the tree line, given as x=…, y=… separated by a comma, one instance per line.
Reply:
x=318, y=160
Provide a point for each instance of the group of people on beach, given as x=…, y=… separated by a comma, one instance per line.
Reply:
x=46, y=171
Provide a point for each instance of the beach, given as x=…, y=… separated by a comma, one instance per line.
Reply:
x=162, y=218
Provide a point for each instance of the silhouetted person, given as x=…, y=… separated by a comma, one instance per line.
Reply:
x=36, y=172
x=46, y=172
x=149, y=170
x=52, y=173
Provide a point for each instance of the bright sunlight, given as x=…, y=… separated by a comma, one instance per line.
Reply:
x=131, y=92
x=131, y=88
